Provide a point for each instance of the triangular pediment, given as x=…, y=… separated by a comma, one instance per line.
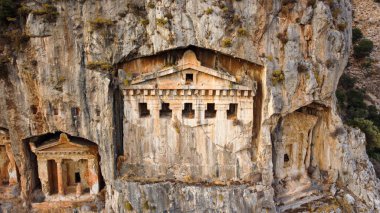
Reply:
x=62, y=144
x=188, y=62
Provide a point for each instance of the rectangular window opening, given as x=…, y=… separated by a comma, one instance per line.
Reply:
x=165, y=111
x=210, y=111
x=188, y=111
x=288, y=155
x=75, y=111
x=232, y=112
x=189, y=78
x=143, y=110
x=77, y=177
x=33, y=108
x=55, y=111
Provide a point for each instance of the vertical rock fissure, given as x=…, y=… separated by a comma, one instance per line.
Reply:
x=118, y=110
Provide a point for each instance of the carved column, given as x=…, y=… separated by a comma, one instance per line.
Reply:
x=200, y=115
x=61, y=188
x=176, y=110
x=154, y=107
x=93, y=177
x=221, y=124
x=221, y=111
x=43, y=171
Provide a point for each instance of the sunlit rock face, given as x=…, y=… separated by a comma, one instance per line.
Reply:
x=286, y=147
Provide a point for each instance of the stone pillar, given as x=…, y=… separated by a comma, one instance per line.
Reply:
x=12, y=171
x=154, y=107
x=176, y=110
x=43, y=171
x=221, y=111
x=78, y=189
x=93, y=175
x=61, y=188
x=221, y=124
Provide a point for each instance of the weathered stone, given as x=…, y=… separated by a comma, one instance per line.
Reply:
x=60, y=93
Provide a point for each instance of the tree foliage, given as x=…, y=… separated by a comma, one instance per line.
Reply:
x=8, y=10
x=356, y=35
x=363, y=48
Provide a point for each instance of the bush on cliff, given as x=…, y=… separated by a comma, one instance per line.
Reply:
x=356, y=35
x=8, y=11
x=370, y=130
x=363, y=48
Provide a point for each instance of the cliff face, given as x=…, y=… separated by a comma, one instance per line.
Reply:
x=57, y=82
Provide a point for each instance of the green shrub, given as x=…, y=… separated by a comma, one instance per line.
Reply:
x=8, y=9
x=227, y=42
x=242, y=32
x=161, y=21
x=144, y=22
x=371, y=132
x=341, y=97
x=99, y=23
x=277, y=76
x=99, y=65
x=128, y=206
x=23, y=10
x=363, y=48
x=356, y=98
x=151, y=5
x=347, y=82
x=356, y=35
x=208, y=11
x=367, y=63
x=47, y=10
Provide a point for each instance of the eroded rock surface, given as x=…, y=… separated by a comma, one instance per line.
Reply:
x=59, y=81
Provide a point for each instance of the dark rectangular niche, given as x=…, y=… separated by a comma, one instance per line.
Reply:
x=189, y=78
x=143, y=110
x=232, y=112
x=188, y=111
x=210, y=111
x=165, y=111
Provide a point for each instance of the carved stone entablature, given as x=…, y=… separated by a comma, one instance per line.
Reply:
x=188, y=92
x=187, y=78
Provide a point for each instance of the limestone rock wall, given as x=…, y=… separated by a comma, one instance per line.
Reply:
x=47, y=85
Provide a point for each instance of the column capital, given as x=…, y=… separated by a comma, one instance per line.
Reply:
x=176, y=106
x=220, y=107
